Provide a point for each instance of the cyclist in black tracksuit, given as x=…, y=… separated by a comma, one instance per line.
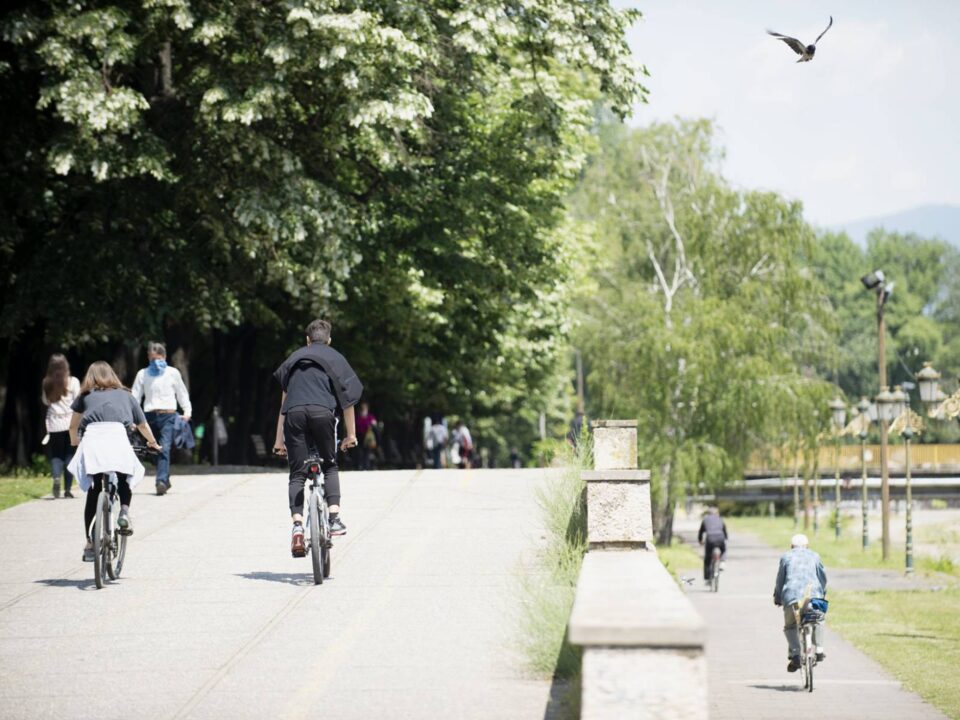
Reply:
x=317, y=381
x=714, y=531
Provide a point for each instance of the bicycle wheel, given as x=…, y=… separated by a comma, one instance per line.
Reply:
x=121, y=553
x=325, y=535
x=715, y=574
x=110, y=535
x=810, y=663
x=98, y=543
x=316, y=541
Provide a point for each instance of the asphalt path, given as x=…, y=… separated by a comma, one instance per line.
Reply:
x=212, y=618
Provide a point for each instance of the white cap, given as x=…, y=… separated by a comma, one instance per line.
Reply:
x=799, y=540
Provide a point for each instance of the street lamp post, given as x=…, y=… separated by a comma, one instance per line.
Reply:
x=877, y=283
x=886, y=407
x=864, y=408
x=907, y=436
x=838, y=412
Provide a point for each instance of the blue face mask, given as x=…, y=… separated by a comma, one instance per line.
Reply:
x=157, y=367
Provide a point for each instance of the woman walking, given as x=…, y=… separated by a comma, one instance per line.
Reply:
x=60, y=389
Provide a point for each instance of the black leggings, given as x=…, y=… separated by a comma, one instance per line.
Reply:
x=90, y=509
x=306, y=429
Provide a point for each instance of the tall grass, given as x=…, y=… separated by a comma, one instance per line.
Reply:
x=549, y=584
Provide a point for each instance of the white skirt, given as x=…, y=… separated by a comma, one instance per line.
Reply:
x=105, y=448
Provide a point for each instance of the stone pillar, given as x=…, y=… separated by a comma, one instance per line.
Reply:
x=618, y=494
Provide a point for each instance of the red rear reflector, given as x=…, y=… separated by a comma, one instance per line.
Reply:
x=314, y=468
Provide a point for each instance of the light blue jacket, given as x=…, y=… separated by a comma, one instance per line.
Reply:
x=799, y=568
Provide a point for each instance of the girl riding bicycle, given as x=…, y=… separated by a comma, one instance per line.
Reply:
x=102, y=414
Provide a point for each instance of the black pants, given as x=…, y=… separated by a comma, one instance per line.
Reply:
x=306, y=429
x=90, y=509
x=708, y=555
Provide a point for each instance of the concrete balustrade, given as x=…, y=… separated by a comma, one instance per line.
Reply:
x=642, y=640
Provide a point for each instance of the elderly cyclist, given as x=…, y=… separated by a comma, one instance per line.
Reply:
x=801, y=578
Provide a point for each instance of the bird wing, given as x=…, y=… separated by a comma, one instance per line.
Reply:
x=798, y=47
x=824, y=32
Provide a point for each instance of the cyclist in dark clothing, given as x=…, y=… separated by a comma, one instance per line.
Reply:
x=317, y=381
x=713, y=533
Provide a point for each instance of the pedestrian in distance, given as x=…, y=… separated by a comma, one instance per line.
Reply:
x=463, y=442
x=437, y=437
x=800, y=578
x=60, y=389
x=102, y=415
x=712, y=534
x=160, y=387
x=317, y=381
x=368, y=434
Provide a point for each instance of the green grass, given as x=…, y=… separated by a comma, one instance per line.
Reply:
x=847, y=552
x=915, y=635
x=680, y=556
x=548, y=587
x=15, y=490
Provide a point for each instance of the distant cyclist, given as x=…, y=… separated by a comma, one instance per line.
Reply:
x=713, y=533
x=317, y=381
x=800, y=577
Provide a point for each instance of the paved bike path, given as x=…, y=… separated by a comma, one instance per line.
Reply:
x=214, y=619
x=747, y=653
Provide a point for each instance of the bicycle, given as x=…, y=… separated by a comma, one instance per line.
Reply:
x=318, y=520
x=109, y=540
x=809, y=614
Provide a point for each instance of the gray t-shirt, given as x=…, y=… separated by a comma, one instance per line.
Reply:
x=108, y=406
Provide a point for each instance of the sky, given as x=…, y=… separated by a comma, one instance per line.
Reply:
x=869, y=127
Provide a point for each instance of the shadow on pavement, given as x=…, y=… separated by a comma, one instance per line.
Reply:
x=286, y=578
x=779, y=688
x=84, y=584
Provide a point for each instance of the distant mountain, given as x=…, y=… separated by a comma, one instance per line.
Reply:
x=941, y=221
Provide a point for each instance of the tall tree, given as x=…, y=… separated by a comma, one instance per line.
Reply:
x=705, y=320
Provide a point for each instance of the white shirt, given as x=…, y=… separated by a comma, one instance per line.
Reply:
x=60, y=412
x=162, y=392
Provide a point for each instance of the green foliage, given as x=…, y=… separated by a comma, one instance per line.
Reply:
x=705, y=319
x=921, y=316
x=399, y=167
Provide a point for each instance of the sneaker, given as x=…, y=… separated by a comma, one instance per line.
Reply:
x=55, y=491
x=67, y=494
x=161, y=488
x=794, y=664
x=297, y=546
x=88, y=553
x=821, y=656
x=124, y=523
x=336, y=526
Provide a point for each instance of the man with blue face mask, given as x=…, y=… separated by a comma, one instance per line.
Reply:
x=161, y=388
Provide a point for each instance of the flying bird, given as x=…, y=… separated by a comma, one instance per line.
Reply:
x=806, y=52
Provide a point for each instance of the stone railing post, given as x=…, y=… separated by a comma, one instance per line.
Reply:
x=618, y=494
x=643, y=642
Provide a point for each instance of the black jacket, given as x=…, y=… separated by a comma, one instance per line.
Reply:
x=346, y=384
